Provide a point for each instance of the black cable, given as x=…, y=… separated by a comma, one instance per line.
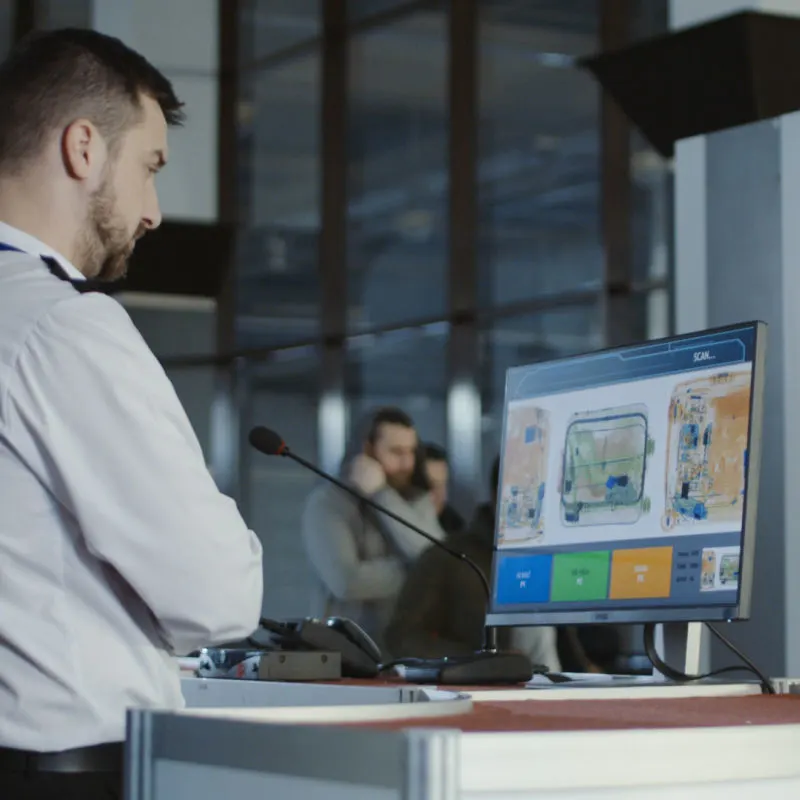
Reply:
x=681, y=677
x=766, y=684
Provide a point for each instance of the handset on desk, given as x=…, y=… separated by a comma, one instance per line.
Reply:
x=361, y=657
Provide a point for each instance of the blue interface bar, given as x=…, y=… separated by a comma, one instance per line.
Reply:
x=723, y=348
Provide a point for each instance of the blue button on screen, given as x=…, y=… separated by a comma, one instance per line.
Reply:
x=523, y=579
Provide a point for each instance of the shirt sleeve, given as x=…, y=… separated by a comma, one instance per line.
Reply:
x=93, y=414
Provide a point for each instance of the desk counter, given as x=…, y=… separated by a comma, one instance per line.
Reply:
x=385, y=741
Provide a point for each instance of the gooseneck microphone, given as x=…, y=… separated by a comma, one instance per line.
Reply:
x=269, y=443
x=488, y=665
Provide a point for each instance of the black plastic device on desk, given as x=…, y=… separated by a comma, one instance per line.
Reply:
x=487, y=666
x=295, y=650
x=361, y=657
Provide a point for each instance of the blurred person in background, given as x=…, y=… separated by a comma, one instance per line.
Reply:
x=359, y=556
x=437, y=469
x=441, y=610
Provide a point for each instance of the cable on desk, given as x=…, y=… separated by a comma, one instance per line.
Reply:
x=681, y=677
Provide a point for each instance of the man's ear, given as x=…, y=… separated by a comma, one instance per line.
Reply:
x=82, y=149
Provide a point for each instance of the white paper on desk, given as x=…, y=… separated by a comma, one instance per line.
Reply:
x=585, y=677
x=614, y=687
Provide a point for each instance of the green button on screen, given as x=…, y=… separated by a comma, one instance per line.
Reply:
x=580, y=576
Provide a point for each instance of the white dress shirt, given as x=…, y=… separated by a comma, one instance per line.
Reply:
x=116, y=548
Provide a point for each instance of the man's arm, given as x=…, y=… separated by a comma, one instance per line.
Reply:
x=329, y=538
x=91, y=412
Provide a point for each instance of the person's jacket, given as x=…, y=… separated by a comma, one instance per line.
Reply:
x=360, y=557
x=451, y=521
x=441, y=608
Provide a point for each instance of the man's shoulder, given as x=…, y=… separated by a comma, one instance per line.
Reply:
x=44, y=320
x=28, y=292
x=31, y=298
x=325, y=496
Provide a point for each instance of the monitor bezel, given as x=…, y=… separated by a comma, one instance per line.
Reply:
x=727, y=613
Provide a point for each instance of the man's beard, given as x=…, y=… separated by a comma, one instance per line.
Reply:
x=105, y=244
x=402, y=483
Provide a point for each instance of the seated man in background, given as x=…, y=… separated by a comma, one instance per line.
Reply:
x=359, y=556
x=437, y=470
x=441, y=609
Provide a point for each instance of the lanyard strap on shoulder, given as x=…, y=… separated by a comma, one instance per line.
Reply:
x=55, y=269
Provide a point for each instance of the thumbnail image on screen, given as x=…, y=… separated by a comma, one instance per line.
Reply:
x=720, y=570
x=605, y=458
x=707, y=450
x=522, y=497
x=624, y=475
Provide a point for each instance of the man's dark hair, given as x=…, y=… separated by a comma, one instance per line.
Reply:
x=433, y=452
x=388, y=415
x=52, y=78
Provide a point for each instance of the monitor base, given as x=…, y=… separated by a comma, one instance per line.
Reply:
x=483, y=668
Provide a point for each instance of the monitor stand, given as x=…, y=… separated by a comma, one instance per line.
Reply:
x=679, y=644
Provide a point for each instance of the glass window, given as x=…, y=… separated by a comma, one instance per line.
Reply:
x=519, y=340
x=278, y=286
x=175, y=327
x=284, y=396
x=651, y=212
x=270, y=26
x=644, y=315
x=397, y=172
x=539, y=150
x=652, y=182
x=405, y=368
x=6, y=27
x=196, y=389
x=358, y=10
x=563, y=22
x=649, y=18
x=182, y=328
x=658, y=314
x=54, y=14
x=652, y=222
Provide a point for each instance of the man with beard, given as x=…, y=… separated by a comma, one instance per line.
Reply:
x=360, y=556
x=117, y=551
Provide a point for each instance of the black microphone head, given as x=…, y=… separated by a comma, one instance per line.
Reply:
x=267, y=441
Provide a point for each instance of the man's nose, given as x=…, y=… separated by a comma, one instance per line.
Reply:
x=151, y=218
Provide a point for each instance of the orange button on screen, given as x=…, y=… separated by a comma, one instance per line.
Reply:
x=644, y=572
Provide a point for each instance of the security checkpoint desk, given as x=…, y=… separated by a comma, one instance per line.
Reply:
x=384, y=740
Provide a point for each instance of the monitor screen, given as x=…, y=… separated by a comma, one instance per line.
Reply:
x=628, y=482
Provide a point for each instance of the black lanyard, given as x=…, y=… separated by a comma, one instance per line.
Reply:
x=55, y=269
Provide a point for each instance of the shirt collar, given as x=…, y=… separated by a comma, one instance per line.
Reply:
x=31, y=245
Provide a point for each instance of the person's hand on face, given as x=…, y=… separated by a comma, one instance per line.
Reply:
x=367, y=474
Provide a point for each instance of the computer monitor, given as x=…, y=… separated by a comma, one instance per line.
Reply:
x=628, y=483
